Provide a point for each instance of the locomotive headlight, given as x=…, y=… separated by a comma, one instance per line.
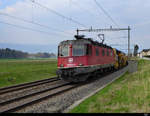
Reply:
x=80, y=64
x=61, y=65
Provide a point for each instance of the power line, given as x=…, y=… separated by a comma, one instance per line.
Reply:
x=26, y=28
x=31, y=22
x=85, y=9
x=120, y=44
x=113, y=21
x=109, y=29
x=58, y=14
x=105, y=13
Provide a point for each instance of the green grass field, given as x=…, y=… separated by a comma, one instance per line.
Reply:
x=130, y=93
x=25, y=70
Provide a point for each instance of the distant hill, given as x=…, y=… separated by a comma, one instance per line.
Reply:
x=16, y=54
x=42, y=55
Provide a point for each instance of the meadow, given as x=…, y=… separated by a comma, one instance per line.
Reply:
x=128, y=94
x=19, y=71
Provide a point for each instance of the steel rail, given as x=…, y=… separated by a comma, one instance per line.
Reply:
x=37, y=96
x=30, y=94
x=26, y=85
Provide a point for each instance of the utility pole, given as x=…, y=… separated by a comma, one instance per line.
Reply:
x=129, y=41
x=109, y=29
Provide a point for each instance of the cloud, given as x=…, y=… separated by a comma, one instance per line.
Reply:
x=133, y=13
x=9, y=10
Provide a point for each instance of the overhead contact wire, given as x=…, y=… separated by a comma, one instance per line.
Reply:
x=27, y=28
x=59, y=14
x=35, y=23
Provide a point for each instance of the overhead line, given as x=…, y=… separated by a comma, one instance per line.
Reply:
x=31, y=22
x=26, y=28
x=120, y=44
x=85, y=9
x=82, y=8
x=58, y=14
x=105, y=13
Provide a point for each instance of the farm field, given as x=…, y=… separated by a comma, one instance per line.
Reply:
x=128, y=94
x=14, y=71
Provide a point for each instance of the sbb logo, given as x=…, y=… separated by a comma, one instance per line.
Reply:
x=70, y=60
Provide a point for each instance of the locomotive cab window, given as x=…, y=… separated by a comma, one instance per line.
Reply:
x=78, y=50
x=63, y=50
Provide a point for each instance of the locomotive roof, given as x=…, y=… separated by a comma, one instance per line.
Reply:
x=82, y=40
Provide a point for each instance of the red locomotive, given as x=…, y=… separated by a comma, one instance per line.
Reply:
x=78, y=59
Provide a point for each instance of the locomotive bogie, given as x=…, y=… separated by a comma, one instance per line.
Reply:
x=71, y=74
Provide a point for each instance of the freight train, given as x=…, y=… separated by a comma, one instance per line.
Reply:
x=80, y=58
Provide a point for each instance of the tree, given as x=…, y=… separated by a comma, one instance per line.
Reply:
x=136, y=48
x=9, y=53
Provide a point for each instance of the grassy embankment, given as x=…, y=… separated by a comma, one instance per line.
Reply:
x=130, y=93
x=21, y=71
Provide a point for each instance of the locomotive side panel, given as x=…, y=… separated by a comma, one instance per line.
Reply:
x=101, y=56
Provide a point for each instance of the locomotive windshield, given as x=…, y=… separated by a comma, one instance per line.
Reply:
x=63, y=50
x=78, y=50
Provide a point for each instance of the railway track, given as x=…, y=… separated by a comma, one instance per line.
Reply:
x=26, y=85
x=56, y=87
x=18, y=103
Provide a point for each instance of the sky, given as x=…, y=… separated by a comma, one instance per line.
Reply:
x=32, y=38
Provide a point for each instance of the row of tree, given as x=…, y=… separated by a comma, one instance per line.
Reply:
x=10, y=53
